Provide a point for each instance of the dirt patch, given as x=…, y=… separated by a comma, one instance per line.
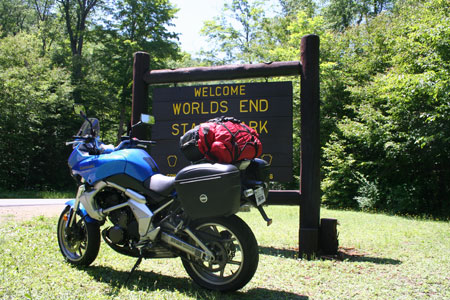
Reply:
x=22, y=213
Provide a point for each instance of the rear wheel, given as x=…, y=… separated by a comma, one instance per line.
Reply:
x=235, y=254
x=80, y=243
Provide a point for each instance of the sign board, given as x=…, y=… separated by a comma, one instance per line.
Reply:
x=266, y=107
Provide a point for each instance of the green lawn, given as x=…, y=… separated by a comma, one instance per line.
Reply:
x=37, y=194
x=387, y=257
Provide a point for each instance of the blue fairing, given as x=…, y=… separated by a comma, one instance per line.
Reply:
x=81, y=211
x=136, y=163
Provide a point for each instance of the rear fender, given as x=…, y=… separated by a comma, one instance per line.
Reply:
x=81, y=211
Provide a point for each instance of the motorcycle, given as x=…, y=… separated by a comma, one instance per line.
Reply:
x=141, y=213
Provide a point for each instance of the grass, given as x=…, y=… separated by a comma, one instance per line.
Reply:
x=384, y=257
x=27, y=194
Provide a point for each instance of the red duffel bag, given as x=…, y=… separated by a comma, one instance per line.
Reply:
x=227, y=140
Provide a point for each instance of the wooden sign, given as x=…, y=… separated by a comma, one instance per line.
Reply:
x=266, y=107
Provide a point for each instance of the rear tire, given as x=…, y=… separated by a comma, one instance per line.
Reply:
x=235, y=250
x=80, y=244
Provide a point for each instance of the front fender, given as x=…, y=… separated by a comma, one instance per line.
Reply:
x=82, y=211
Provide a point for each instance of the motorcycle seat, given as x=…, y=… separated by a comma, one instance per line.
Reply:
x=162, y=184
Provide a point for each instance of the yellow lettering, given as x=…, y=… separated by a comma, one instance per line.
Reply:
x=226, y=90
x=254, y=104
x=186, y=108
x=195, y=107
x=180, y=129
x=257, y=105
x=218, y=91
x=176, y=108
x=262, y=127
x=243, y=106
x=175, y=130
x=214, y=107
x=184, y=127
x=263, y=105
x=253, y=124
x=242, y=90
x=223, y=106
x=204, y=112
x=259, y=126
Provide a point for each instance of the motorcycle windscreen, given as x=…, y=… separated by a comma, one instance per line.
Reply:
x=85, y=129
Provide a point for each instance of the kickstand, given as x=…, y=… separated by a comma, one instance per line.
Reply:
x=136, y=265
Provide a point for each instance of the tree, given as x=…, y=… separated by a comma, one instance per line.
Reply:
x=15, y=16
x=235, y=35
x=46, y=22
x=36, y=117
x=390, y=148
x=340, y=14
x=290, y=8
x=75, y=14
x=137, y=25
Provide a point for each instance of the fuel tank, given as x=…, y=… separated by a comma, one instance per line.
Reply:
x=135, y=163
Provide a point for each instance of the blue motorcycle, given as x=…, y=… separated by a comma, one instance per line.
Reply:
x=139, y=212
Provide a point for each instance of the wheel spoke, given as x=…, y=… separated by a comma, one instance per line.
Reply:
x=234, y=262
x=214, y=228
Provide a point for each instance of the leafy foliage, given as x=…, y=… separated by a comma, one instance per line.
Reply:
x=397, y=128
x=236, y=32
x=57, y=52
x=34, y=97
x=384, y=98
x=384, y=69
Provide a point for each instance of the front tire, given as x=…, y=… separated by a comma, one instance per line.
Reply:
x=235, y=250
x=79, y=244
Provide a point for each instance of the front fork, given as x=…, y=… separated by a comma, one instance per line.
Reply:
x=74, y=208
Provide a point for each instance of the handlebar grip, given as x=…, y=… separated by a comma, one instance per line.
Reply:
x=146, y=142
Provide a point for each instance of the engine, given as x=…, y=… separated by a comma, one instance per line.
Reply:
x=124, y=226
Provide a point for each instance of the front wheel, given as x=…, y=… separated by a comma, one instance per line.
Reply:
x=80, y=243
x=235, y=254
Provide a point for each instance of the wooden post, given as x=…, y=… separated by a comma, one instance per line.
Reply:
x=310, y=147
x=141, y=66
x=308, y=68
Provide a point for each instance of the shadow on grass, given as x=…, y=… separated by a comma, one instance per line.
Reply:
x=150, y=281
x=347, y=254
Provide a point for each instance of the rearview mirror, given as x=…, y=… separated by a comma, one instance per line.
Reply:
x=147, y=119
x=79, y=110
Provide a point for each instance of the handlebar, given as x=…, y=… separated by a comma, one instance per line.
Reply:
x=128, y=142
x=72, y=142
x=79, y=139
x=145, y=142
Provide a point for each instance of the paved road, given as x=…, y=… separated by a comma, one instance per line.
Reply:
x=26, y=209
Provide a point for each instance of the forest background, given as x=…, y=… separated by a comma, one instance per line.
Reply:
x=384, y=71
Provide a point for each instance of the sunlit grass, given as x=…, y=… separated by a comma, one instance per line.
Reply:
x=387, y=257
x=37, y=194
